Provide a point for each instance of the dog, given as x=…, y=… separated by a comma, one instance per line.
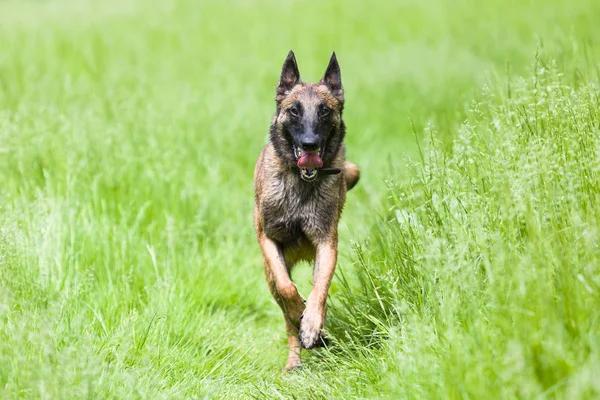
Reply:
x=300, y=181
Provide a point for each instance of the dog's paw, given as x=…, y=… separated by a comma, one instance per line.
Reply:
x=310, y=334
x=292, y=365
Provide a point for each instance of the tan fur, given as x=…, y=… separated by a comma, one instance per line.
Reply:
x=351, y=173
x=300, y=91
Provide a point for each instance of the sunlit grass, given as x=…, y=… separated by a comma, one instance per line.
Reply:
x=485, y=278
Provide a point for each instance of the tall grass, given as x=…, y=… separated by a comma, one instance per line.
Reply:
x=484, y=280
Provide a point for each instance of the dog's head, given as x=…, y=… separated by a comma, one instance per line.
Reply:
x=308, y=130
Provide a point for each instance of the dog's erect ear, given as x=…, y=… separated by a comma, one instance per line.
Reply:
x=333, y=78
x=290, y=76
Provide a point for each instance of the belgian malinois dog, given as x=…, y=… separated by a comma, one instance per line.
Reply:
x=300, y=181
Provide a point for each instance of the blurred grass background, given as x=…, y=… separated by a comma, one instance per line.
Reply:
x=128, y=136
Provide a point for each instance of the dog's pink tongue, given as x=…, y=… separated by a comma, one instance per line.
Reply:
x=310, y=161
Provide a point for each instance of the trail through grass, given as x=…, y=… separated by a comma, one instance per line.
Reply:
x=468, y=252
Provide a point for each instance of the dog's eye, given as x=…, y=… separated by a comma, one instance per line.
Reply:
x=325, y=111
x=294, y=112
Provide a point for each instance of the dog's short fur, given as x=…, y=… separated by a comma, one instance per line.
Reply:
x=297, y=219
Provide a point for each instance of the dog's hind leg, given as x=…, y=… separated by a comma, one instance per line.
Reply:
x=294, y=361
x=285, y=294
x=351, y=174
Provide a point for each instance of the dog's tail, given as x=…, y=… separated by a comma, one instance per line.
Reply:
x=351, y=173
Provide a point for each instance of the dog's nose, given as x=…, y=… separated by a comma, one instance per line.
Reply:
x=310, y=144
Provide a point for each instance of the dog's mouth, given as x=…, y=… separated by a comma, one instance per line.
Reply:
x=308, y=159
x=308, y=175
x=308, y=162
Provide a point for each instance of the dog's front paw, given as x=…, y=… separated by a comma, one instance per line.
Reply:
x=293, y=365
x=310, y=334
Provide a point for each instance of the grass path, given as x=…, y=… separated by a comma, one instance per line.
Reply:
x=128, y=135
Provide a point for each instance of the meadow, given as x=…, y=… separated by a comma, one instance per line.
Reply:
x=469, y=255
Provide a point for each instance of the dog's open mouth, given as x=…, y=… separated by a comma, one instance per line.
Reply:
x=308, y=174
x=308, y=162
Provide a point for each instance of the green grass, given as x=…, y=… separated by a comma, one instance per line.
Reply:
x=469, y=259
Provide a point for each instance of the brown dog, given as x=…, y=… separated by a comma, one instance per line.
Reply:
x=300, y=182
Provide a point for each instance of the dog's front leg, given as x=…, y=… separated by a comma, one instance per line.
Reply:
x=285, y=293
x=283, y=289
x=313, y=318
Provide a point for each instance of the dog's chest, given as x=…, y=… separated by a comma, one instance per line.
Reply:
x=293, y=209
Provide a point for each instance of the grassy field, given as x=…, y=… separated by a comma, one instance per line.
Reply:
x=469, y=253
